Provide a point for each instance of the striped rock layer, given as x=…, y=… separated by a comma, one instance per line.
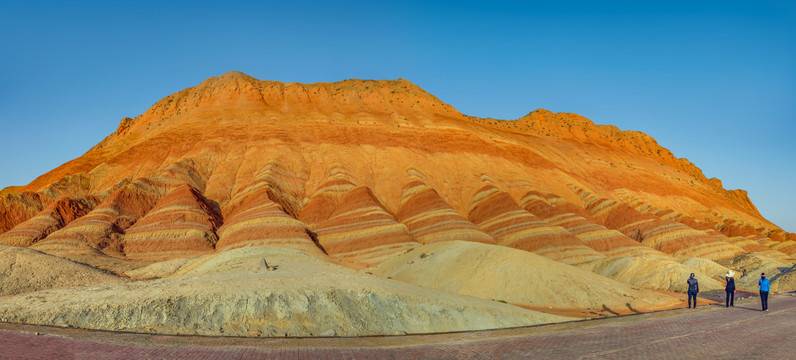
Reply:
x=738, y=234
x=57, y=215
x=669, y=237
x=362, y=230
x=430, y=219
x=496, y=213
x=102, y=229
x=609, y=242
x=749, y=243
x=18, y=206
x=183, y=223
x=741, y=235
x=136, y=222
x=325, y=199
x=254, y=217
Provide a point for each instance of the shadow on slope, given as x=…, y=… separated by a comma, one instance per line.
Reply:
x=25, y=270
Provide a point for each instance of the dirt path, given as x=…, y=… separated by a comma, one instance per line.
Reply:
x=709, y=332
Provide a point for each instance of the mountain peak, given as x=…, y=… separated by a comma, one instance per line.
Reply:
x=236, y=91
x=234, y=74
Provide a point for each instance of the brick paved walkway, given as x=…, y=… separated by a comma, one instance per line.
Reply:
x=709, y=332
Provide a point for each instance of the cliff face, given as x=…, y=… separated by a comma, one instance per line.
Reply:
x=363, y=170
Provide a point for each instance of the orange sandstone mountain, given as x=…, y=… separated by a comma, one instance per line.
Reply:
x=359, y=172
x=318, y=152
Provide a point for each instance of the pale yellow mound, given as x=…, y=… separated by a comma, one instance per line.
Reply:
x=25, y=270
x=706, y=267
x=164, y=268
x=229, y=294
x=755, y=264
x=650, y=273
x=515, y=276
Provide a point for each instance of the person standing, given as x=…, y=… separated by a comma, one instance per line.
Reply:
x=764, y=285
x=730, y=289
x=693, y=290
x=744, y=276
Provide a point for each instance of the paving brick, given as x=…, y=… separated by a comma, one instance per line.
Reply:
x=708, y=332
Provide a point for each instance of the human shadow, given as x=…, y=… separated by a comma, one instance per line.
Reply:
x=632, y=309
x=748, y=308
x=783, y=271
x=607, y=309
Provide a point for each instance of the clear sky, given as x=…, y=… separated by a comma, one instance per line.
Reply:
x=713, y=81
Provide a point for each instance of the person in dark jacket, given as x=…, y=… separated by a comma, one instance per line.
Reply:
x=693, y=290
x=730, y=289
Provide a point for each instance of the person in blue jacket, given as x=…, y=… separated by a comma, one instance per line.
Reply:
x=764, y=285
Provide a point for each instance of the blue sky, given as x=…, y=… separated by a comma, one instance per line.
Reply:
x=713, y=81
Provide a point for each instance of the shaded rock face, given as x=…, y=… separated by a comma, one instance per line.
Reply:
x=102, y=229
x=57, y=215
x=362, y=171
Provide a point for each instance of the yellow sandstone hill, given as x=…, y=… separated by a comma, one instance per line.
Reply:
x=359, y=173
x=517, y=277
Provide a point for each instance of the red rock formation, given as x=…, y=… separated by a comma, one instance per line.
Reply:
x=361, y=230
x=58, y=214
x=575, y=220
x=18, y=207
x=496, y=213
x=731, y=228
x=666, y=236
x=781, y=236
x=326, y=198
x=787, y=247
x=101, y=230
x=254, y=217
x=15, y=208
x=750, y=243
x=183, y=223
x=430, y=219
